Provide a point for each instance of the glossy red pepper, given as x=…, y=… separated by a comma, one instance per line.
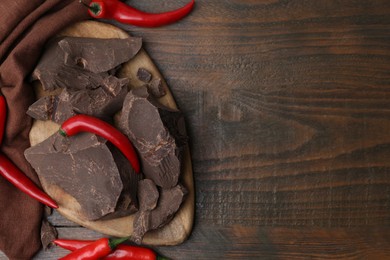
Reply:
x=15, y=176
x=122, y=252
x=95, y=250
x=123, y=13
x=3, y=116
x=85, y=123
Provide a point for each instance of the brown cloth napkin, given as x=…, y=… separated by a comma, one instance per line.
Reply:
x=25, y=26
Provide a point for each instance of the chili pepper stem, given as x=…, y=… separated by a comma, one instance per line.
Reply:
x=113, y=243
x=62, y=132
x=94, y=7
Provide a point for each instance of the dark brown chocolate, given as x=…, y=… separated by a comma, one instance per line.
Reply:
x=99, y=55
x=48, y=234
x=168, y=204
x=53, y=73
x=101, y=102
x=84, y=167
x=158, y=133
x=147, y=195
x=82, y=63
x=54, y=108
x=42, y=109
x=156, y=88
x=144, y=75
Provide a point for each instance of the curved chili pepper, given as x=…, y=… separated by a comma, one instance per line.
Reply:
x=122, y=252
x=3, y=116
x=123, y=13
x=15, y=176
x=85, y=123
x=95, y=250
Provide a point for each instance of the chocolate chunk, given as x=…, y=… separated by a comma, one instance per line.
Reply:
x=48, y=233
x=158, y=133
x=127, y=202
x=156, y=88
x=54, y=108
x=144, y=75
x=62, y=108
x=83, y=166
x=99, y=55
x=147, y=195
x=53, y=73
x=101, y=102
x=42, y=109
x=168, y=204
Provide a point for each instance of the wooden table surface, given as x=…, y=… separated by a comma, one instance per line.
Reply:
x=288, y=113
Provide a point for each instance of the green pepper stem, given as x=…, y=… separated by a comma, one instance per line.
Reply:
x=62, y=132
x=113, y=243
x=94, y=8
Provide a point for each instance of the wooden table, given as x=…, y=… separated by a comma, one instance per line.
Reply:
x=288, y=112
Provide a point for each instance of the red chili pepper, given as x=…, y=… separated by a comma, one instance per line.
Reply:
x=3, y=116
x=85, y=123
x=15, y=176
x=95, y=250
x=123, y=13
x=122, y=252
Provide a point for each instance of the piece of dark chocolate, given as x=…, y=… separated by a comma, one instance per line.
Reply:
x=48, y=233
x=147, y=195
x=168, y=204
x=127, y=202
x=144, y=75
x=101, y=102
x=158, y=133
x=42, y=109
x=53, y=73
x=54, y=108
x=62, y=108
x=83, y=166
x=99, y=55
x=156, y=88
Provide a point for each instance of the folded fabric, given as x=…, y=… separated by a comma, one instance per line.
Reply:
x=25, y=26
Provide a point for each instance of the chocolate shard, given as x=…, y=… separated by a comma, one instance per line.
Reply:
x=158, y=133
x=127, y=202
x=144, y=75
x=53, y=73
x=54, y=107
x=156, y=88
x=94, y=55
x=101, y=102
x=147, y=195
x=62, y=108
x=168, y=204
x=83, y=166
x=42, y=109
x=48, y=234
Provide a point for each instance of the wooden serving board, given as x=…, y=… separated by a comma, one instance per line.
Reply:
x=180, y=227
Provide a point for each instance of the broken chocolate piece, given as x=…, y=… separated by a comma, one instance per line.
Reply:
x=42, y=109
x=168, y=204
x=158, y=133
x=54, y=108
x=48, y=234
x=156, y=88
x=99, y=55
x=83, y=166
x=144, y=75
x=127, y=202
x=101, y=102
x=53, y=73
x=147, y=195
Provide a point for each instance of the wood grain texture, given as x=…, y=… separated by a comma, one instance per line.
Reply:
x=287, y=103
